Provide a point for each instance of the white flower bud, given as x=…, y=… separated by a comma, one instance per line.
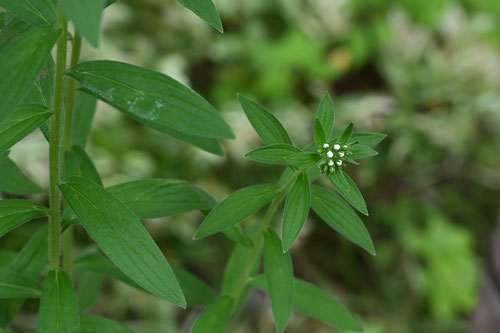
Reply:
x=336, y=146
x=341, y=154
x=339, y=162
x=330, y=163
x=326, y=145
x=332, y=169
x=345, y=147
x=329, y=154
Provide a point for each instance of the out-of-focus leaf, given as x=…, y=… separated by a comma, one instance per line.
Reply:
x=278, y=270
x=348, y=190
x=152, y=98
x=16, y=182
x=236, y=207
x=3, y=155
x=6, y=257
x=14, y=285
x=42, y=91
x=58, y=308
x=86, y=16
x=89, y=289
x=95, y=324
x=120, y=234
x=79, y=164
x=85, y=107
x=196, y=291
x=161, y=197
x=25, y=120
x=361, y=151
x=326, y=114
x=320, y=136
x=318, y=304
x=30, y=52
x=205, y=9
x=15, y=212
x=264, y=122
x=297, y=205
x=303, y=160
x=215, y=316
x=236, y=234
x=12, y=31
x=338, y=215
x=36, y=12
x=273, y=154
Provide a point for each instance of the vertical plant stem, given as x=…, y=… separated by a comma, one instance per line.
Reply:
x=247, y=270
x=68, y=125
x=55, y=146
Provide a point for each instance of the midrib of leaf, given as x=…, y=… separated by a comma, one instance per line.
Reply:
x=13, y=286
x=36, y=11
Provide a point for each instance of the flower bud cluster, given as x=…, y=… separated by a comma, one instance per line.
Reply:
x=333, y=157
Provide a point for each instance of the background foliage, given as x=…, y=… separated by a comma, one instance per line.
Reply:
x=425, y=72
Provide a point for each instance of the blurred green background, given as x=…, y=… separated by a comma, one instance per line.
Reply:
x=427, y=73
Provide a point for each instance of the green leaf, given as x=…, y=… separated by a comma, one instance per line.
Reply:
x=15, y=212
x=297, y=204
x=42, y=91
x=16, y=183
x=236, y=234
x=326, y=114
x=215, y=317
x=338, y=215
x=85, y=107
x=161, y=197
x=367, y=139
x=123, y=238
x=58, y=308
x=197, y=292
x=36, y=12
x=346, y=134
x=6, y=257
x=361, y=151
x=236, y=207
x=89, y=289
x=95, y=324
x=273, y=154
x=14, y=285
x=79, y=164
x=320, y=136
x=264, y=122
x=4, y=155
x=29, y=262
x=12, y=31
x=303, y=160
x=348, y=190
x=151, y=98
x=30, y=52
x=205, y=9
x=86, y=16
x=278, y=270
x=24, y=121
x=317, y=304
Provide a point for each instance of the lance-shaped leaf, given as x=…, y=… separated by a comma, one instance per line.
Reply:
x=24, y=121
x=197, y=291
x=303, y=160
x=273, y=154
x=120, y=234
x=320, y=136
x=367, y=139
x=95, y=324
x=6, y=258
x=13, y=30
x=278, y=270
x=326, y=114
x=152, y=98
x=264, y=122
x=237, y=207
x=15, y=212
x=215, y=317
x=153, y=198
x=318, y=304
x=205, y=9
x=85, y=107
x=14, y=285
x=348, y=190
x=346, y=134
x=29, y=53
x=58, y=308
x=362, y=151
x=16, y=182
x=36, y=12
x=297, y=205
x=237, y=235
x=79, y=164
x=86, y=16
x=89, y=289
x=338, y=215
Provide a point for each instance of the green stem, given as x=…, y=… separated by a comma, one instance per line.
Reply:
x=68, y=126
x=54, y=149
x=247, y=270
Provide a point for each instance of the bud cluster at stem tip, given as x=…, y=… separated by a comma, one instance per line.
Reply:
x=333, y=157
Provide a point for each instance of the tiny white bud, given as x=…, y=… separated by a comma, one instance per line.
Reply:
x=341, y=154
x=330, y=163
x=329, y=154
x=345, y=147
x=336, y=146
x=326, y=145
x=339, y=162
x=332, y=169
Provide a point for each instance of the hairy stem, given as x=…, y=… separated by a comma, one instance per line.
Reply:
x=55, y=146
x=68, y=125
x=254, y=254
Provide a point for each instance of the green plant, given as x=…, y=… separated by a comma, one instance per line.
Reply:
x=37, y=91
